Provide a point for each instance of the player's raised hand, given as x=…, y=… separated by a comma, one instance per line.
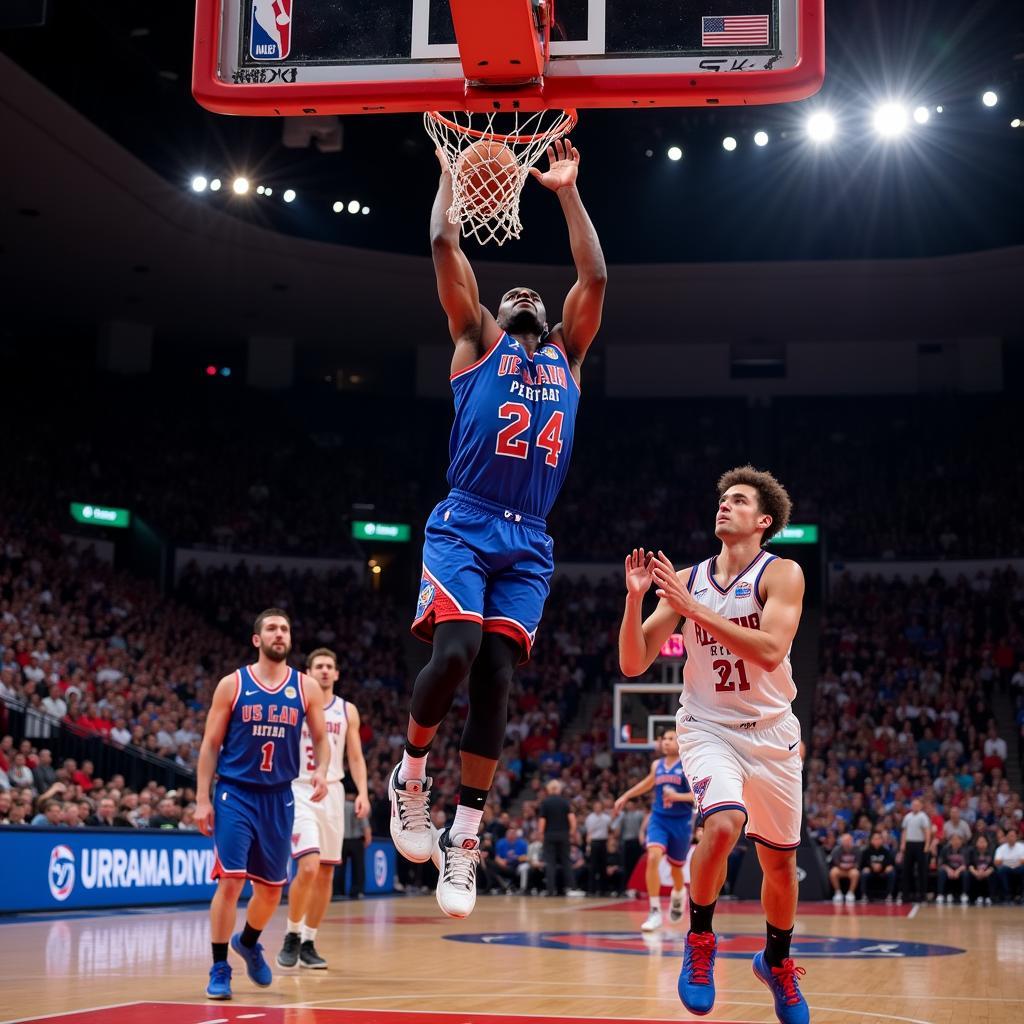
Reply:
x=638, y=571
x=670, y=587
x=204, y=817
x=319, y=783
x=563, y=166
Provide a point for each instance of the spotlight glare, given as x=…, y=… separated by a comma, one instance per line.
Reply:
x=289, y=195
x=675, y=153
x=989, y=98
x=199, y=183
x=921, y=115
x=890, y=120
x=728, y=143
x=760, y=138
x=938, y=109
x=338, y=206
x=1015, y=123
x=240, y=185
x=260, y=190
x=821, y=127
x=268, y=191
x=366, y=210
x=215, y=185
x=353, y=206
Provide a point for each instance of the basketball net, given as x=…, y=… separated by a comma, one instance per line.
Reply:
x=488, y=180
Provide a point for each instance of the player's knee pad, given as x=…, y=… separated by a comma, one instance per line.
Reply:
x=456, y=645
x=489, y=685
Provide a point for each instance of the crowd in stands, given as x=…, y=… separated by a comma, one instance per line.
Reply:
x=907, y=752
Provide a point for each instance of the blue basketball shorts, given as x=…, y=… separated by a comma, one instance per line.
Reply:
x=484, y=563
x=252, y=833
x=672, y=834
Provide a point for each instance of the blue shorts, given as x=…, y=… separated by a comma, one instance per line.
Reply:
x=672, y=834
x=484, y=563
x=252, y=833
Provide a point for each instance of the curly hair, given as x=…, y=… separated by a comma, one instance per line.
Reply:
x=772, y=498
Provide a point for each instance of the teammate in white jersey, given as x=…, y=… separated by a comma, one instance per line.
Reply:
x=319, y=828
x=738, y=737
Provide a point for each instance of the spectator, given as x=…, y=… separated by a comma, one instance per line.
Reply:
x=353, y=847
x=510, y=860
x=627, y=828
x=843, y=867
x=597, y=826
x=952, y=872
x=915, y=840
x=168, y=814
x=956, y=826
x=557, y=823
x=106, y=815
x=877, y=868
x=1009, y=861
x=980, y=868
x=19, y=773
x=44, y=775
x=52, y=814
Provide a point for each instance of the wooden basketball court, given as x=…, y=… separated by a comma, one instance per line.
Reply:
x=398, y=961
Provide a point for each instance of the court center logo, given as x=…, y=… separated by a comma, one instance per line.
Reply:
x=380, y=868
x=61, y=873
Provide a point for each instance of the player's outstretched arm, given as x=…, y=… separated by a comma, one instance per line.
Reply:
x=356, y=762
x=318, y=732
x=581, y=313
x=217, y=719
x=472, y=327
x=766, y=647
x=640, y=641
x=645, y=785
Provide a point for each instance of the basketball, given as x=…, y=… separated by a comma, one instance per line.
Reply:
x=488, y=170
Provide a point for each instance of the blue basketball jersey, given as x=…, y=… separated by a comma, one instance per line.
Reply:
x=514, y=422
x=261, y=745
x=670, y=775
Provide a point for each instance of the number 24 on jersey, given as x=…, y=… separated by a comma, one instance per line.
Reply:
x=512, y=445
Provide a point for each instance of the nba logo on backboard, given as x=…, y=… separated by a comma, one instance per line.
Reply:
x=270, y=35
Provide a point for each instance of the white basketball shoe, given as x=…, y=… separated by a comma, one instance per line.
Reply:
x=411, y=829
x=456, y=858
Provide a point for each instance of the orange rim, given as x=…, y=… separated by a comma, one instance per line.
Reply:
x=565, y=125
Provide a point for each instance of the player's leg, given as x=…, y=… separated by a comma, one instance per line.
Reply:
x=835, y=880
x=330, y=815
x=774, y=802
x=305, y=836
x=482, y=737
x=717, y=778
x=652, y=878
x=853, y=877
x=676, y=850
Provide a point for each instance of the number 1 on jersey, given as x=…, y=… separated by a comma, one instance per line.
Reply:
x=513, y=446
x=267, y=750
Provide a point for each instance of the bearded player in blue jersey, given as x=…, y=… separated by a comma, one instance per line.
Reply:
x=487, y=557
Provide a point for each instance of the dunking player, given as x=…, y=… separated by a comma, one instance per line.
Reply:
x=252, y=741
x=668, y=828
x=487, y=558
x=319, y=827
x=738, y=736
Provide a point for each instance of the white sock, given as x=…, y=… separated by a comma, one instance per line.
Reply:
x=467, y=821
x=656, y=903
x=677, y=894
x=412, y=767
x=294, y=926
x=308, y=934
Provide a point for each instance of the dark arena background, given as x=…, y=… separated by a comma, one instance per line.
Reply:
x=226, y=388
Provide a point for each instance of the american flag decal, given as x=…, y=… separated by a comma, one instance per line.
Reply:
x=735, y=30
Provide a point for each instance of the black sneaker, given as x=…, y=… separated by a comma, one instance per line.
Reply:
x=289, y=955
x=309, y=957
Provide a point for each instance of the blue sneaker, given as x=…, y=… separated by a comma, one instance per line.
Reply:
x=697, y=976
x=790, y=1005
x=220, y=981
x=255, y=966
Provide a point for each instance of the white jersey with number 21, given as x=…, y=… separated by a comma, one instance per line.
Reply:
x=717, y=685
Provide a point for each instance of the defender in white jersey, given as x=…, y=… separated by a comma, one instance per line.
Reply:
x=319, y=828
x=738, y=737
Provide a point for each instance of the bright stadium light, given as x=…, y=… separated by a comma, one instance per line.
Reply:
x=890, y=120
x=260, y=189
x=921, y=115
x=938, y=109
x=365, y=210
x=1015, y=123
x=241, y=186
x=821, y=127
x=268, y=191
x=338, y=206
x=354, y=205
x=989, y=98
x=289, y=195
x=760, y=138
x=215, y=185
x=728, y=143
x=675, y=153
x=199, y=183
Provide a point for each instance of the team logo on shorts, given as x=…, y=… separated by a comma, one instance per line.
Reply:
x=289, y=692
x=270, y=35
x=426, y=598
x=743, y=590
x=699, y=788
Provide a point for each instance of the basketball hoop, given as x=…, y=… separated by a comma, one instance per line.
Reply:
x=489, y=168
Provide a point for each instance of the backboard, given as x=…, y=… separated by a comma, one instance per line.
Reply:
x=294, y=57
